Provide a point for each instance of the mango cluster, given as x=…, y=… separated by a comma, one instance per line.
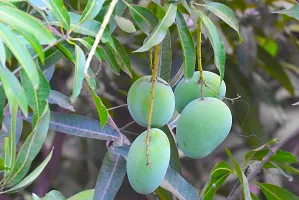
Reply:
x=202, y=125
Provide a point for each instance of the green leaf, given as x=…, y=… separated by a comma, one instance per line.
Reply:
x=110, y=59
x=279, y=156
x=274, y=192
x=60, y=99
x=87, y=42
x=111, y=176
x=122, y=57
x=253, y=196
x=215, y=39
x=144, y=18
x=124, y=24
x=2, y=52
x=217, y=177
x=41, y=4
x=119, y=10
x=224, y=13
x=52, y=56
x=84, y=195
x=60, y=13
x=291, y=12
x=32, y=176
x=67, y=50
x=91, y=10
x=81, y=126
x=2, y=165
x=163, y=194
x=160, y=31
x=273, y=67
x=102, y=110
x=79, y=73
x=2, y=100
x=29, y=150
x=13, y=89
x=33, y=41
x=6, y=153
x=37, y=98
x=23, y=21
x=165, y=58
x=13, y=132
x=54, y=194
x=187, y=44
x=241, y=176
x=20, y=52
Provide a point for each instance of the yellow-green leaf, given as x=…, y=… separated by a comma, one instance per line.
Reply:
x=60, y=13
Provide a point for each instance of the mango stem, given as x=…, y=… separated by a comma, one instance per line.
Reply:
x=152, y=96
x=199, y=61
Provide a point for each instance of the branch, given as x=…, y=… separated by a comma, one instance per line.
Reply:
x=259, y=167
x=99, y=35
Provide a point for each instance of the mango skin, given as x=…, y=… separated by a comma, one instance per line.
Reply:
x=185, y=92
x=202, y=126
x=139, y=100
x=142, y=178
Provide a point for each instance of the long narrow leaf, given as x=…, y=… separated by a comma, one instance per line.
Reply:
x=110, y=59
x=2, y=52
x=2, y=101
x=13, y=132
x=187, y=44
x=21, y=53
x=6, y=153
x=273, y=192
x=91, y=10
x=60, y=12
x=60, y=99
x=165, y=58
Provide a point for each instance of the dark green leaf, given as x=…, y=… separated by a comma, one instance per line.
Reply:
x=87, y=43
x=84, y=195
x=60, y=13
x=91, y=10
x=161, y=193
x=32, y=176
x=241, y=176
x=60, y=99
x=20, y=52
x=253, y=196
x=111, y=175
x=292, y=12
x=102, y=110
x=223, y=12
x=13, y=89
x=81, y=126
x=124, y=24
x=79, y=73
x=217, y=177
x=165, y=58
x=52, y=56
x=215, y=40
x=23, y=21
x=279, y=156
x=29, y=150
x=272, y=66
x=110, y=59
x=37, y=98
x=187, y=44
x=143, y=17
x=160, y=31
x=273, y=192
x=68, y=50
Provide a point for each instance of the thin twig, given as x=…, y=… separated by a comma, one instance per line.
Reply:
x=99, y=35
x=259, y=167
x=113, y=108
x=127, y=125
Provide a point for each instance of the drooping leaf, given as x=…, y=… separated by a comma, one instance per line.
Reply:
x=101, y=109
x=215, y=40
x=111, y=176
x=274, y=192
x=33, y=41
x=160, y=31
x=217, y=177
x=68, y=50
x=272, y=66
x=187, y=44
x=110, y=58
x=242, y=178
x=60, y=99
x=124, y=24
x=79, y=73
x=37, y=98
x=2, y=52
x=84, y=195
x=2, y=101
x=224, y=13
x=292, y=12
x=122, y=56
x=165, y=58
x=91, y=10
x=81, y=126
x=13, y=89
x=60, y=13
x=13, y=133
x=20, y=52
x=144, y=18
x=174, y=183
x=279, y=156
x=30, y=149
x=32, y=176
x=23, y=21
